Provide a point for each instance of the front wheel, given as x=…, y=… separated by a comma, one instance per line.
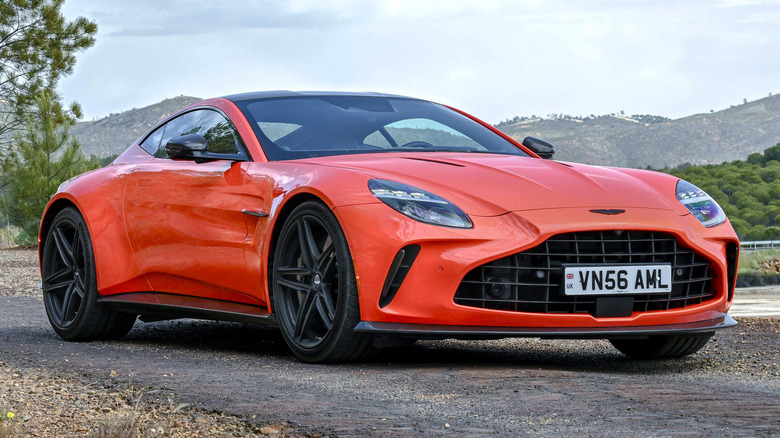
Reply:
x=662, y=347
x=70, y=284
x=314, y=288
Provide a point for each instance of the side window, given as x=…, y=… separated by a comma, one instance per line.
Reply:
x=152, y=142
x=221, y=137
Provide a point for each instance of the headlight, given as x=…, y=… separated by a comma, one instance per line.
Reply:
x=418, y=204
x=706, y=210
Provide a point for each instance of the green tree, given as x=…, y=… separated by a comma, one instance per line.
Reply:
x=44, y=155
x=772, y=153
x=37, y=47
x=756, y=158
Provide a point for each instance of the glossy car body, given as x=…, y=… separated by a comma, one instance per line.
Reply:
x=185, y=238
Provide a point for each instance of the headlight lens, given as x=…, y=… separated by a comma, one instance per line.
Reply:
x=706, y=210
x=418, y=204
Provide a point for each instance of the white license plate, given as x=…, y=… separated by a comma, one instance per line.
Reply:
x=617, y=279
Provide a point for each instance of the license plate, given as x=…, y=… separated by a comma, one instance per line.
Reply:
x=617, y=279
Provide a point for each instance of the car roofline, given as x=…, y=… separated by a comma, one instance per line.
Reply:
x=256, y=95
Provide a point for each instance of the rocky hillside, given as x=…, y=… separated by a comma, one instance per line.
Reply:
x=113, y=134
x=617, y=140
x=711, y=138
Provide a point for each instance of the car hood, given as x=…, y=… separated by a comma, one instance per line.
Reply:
x=490, y=184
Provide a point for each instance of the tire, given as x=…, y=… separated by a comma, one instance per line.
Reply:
x=314, y=288
x=662, y=347
x=70, y=284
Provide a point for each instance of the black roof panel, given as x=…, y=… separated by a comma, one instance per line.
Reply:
x=284, y=93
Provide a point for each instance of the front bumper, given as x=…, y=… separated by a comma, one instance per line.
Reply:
x=431, y=331
x=426, y=297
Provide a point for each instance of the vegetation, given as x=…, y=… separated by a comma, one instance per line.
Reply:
x=44, y=156
x=10, y=427
x=748, y=191
x=753, y=261
x=37, y=47
x=753, y=269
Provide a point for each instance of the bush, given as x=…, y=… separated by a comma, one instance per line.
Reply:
x=752, y=279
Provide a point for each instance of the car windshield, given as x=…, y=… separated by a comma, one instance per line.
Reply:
x=304, y=127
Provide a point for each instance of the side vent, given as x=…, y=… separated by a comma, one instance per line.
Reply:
x=732, y=256
x=398, y=270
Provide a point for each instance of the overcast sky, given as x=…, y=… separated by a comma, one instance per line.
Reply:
x=495, y=59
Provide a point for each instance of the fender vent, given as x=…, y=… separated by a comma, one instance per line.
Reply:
x=398, y=269
x=732, y=256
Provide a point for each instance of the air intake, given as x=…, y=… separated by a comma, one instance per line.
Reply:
x=398, y=269
x=530, y=281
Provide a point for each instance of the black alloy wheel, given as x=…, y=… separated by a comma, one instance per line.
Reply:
x=70, y=284
x=65, y=265
x=314, y=288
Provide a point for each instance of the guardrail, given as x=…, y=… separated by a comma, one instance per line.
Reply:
x=760, y=244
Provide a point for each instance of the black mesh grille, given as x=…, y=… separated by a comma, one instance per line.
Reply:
x=530, y=281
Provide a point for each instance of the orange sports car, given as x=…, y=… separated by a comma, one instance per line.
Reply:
x=354, y=221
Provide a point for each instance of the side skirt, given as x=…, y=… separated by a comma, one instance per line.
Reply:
x=158, y=306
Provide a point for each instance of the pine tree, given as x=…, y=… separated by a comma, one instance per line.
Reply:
x=44, y=155
x=37, y=48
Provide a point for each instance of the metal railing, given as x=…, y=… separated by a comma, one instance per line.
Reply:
x=760, y=244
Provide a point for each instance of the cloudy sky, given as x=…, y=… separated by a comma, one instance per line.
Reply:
x=495, y=59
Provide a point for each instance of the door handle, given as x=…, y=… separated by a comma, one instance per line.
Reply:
x=254, y=212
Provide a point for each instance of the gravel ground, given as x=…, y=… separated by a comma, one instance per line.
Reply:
x=19, y=273
x=44, y=403
x=47, y=402
x=239, y=379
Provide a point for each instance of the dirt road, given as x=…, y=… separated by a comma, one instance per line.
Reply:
x=447, y=388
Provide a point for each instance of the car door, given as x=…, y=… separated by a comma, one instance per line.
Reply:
x=184, y=219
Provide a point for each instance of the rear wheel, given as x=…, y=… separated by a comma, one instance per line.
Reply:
x=314, y=288
x=662, y=347
x=70, y=284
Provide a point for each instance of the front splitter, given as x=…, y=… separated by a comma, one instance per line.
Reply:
x=432, y=331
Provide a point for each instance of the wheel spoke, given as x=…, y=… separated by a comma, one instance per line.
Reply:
x=77, y=249
x=325, y=257
x=294, y=271
x=309, y=251
x=78, y=288
x=67, y=304
x=325, y=309
x=303, y=318
x=50, y=288
x=64, y=248
x=294, y=285
x=81, y=283
x=51, y=280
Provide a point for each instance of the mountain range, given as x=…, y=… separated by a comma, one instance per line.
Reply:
x=615, y=140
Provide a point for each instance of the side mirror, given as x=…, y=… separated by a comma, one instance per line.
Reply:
x=541, y=147
x=187, y=147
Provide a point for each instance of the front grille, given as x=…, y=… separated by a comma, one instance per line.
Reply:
x=530, y=281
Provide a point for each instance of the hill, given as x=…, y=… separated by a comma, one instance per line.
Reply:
x=616, y=140
x=641, y=141
x=113, y=134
